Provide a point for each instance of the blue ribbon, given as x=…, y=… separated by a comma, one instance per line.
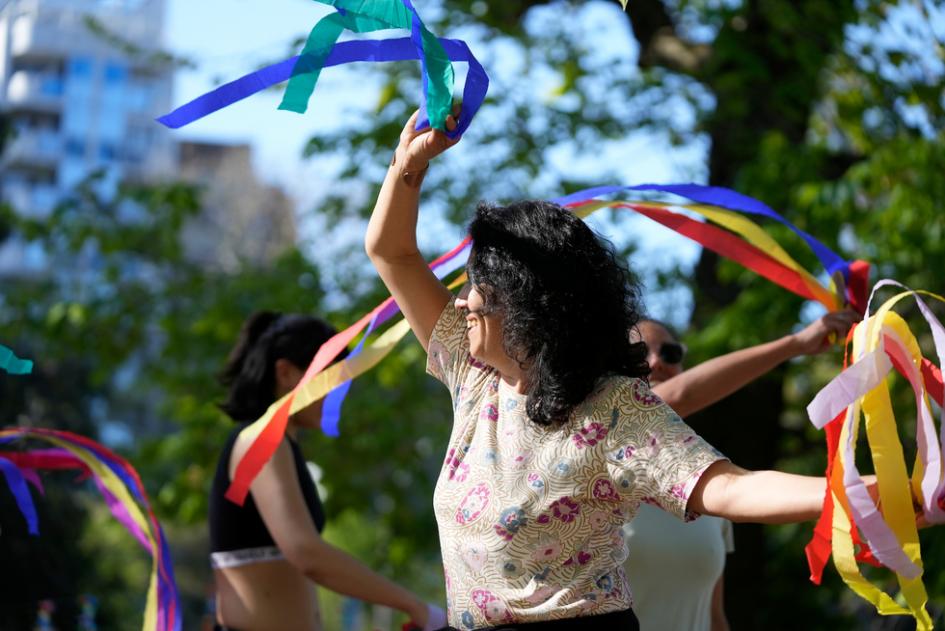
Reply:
x=21, y=493
x=331, y=410
x=401, y=49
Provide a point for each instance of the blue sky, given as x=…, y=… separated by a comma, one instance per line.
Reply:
x=228, y=38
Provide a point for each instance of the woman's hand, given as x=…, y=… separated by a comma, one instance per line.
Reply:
x=816, y=336
x=417, y=148
x=427, y=618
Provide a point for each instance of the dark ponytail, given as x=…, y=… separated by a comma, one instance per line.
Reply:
x=250, y=371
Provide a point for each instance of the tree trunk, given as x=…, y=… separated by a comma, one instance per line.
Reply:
x=765, y=72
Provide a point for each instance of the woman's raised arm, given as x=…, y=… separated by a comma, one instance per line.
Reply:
x=391, y=240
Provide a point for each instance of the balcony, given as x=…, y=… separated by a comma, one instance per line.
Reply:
x=33, y=150
x=35, y=91
x=57, y=29
x=35, y=201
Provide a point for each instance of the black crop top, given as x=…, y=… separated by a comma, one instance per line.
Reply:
x=235, y=527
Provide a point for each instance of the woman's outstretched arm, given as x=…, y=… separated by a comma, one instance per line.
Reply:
x=767, y=497
x=281, y=504
x=391, y=240
x=713, y=380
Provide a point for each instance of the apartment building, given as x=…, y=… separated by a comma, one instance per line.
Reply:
x=77, y=103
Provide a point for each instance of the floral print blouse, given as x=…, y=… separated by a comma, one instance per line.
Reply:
x=530, y=519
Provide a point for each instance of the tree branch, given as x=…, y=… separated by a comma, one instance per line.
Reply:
x=660, y=45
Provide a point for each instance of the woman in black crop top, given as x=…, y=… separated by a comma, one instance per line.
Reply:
x=268, y=555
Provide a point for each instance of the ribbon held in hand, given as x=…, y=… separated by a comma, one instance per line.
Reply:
x=881, y=343
x=322, y=50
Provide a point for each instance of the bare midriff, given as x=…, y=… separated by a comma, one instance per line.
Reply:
x=266, y=596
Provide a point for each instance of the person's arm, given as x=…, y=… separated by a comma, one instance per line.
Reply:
x=719, y=620
x=713, y=380
x=281, y=504
x=391, y=239
x=767, y=497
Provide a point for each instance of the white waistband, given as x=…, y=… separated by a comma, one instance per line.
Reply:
x=246, y=556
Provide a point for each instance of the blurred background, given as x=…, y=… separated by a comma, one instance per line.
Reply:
x=130, y=254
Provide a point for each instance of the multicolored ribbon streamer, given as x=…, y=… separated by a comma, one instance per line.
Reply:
x=723, y=198
x=12, y=364
x=773, y=263
x=125, y=496
x=302, y=70
x=881, y=343
x=268, y=430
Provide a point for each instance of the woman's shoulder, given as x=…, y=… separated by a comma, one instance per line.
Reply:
x=626, y=393
x=244, y=436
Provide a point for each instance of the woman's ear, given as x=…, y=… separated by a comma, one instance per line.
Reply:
x=288, y=376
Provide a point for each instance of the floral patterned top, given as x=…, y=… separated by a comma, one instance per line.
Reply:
x=530, y=519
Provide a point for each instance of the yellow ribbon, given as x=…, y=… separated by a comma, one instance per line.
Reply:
x=894, y=484
x=743, y=227
x=329, y=379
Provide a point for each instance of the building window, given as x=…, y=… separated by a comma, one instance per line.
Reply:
x=115, y=74
x=81, y=67
x=75, y=147
x=107, y=151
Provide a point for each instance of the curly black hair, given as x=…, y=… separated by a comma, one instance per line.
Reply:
x=250, y=371
x=567, y=301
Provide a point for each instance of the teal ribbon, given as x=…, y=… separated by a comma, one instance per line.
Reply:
x=366, y=16
x=13, y=364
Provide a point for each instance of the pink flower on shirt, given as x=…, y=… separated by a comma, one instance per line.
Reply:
x=604, y=490
x=490, y=605
x=598, y=520
x=581, y=557
x=458, y=470
x=490, y=412
x=653, y=445
x=475, y=557
x=565, y=509
x=589, y=435
x=473, y=504
x=475, y=363
x=535, y=481
x=643, y=395
x=547, y=550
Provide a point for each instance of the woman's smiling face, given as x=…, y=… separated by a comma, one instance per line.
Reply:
x=483, y=329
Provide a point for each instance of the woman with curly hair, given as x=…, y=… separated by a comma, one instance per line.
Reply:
x=557, y=438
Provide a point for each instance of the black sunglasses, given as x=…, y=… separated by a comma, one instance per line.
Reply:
x=672, y=352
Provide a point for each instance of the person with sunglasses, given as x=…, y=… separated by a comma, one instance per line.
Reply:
x=677, y=568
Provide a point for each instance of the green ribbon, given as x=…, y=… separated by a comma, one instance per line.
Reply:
x=366, y=16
